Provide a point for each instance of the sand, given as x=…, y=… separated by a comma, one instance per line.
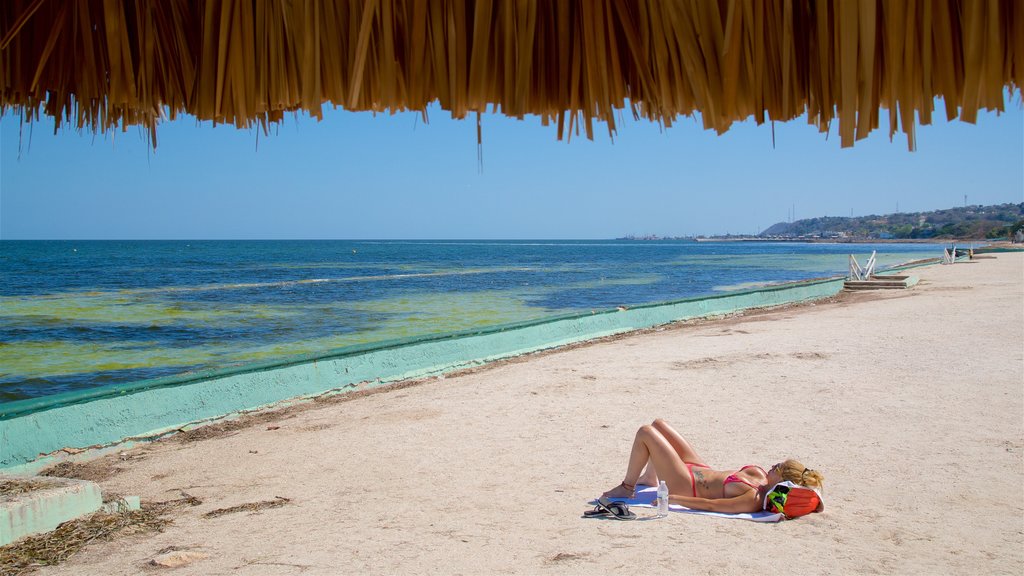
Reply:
x=910, y=402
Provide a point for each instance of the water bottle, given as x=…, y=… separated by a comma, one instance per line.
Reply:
x=662, y=499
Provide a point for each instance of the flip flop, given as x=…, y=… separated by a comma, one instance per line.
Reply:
x=606, y=507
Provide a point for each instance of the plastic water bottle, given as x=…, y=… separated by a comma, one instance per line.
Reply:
x=662, y=499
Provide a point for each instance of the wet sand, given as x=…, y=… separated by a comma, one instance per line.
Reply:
x=911, y=403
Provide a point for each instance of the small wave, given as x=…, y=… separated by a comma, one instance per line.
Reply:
x=742, y=286
x=283, y=283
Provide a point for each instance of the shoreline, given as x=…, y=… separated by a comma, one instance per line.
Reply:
x=75, y=324
x=119, y=387
x=152, y=408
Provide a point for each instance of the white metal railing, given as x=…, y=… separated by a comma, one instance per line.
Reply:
x=949, y=255
x=862, y=273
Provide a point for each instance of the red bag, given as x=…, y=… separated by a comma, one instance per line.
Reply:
x=793, y=500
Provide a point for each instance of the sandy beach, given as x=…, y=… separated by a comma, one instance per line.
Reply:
x=911, y=403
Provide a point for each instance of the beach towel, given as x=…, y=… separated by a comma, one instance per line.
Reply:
x=645, y=496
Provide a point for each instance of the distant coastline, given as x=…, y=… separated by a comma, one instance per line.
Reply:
x=798, y=240
x=999, y=222
x=842, y=240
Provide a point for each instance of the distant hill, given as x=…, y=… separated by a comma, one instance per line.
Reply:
x=968, y=222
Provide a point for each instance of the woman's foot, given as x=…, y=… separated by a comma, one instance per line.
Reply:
x=623, y=490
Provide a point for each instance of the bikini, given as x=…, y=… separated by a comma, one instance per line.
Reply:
x=730, y=479
x=693, y=481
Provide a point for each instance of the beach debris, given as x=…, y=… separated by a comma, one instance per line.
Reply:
x=186, y=499
x=176, y=558
x=566, y=557
x=127, y=456
x=57, y=546
x=277, y=502
x=95, y=471
x=122, y=504
x=11, y=487
x=273, y=427
x=230, y=426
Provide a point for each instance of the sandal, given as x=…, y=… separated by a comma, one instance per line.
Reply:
x=606, y=507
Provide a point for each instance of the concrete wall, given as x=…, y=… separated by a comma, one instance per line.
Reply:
x=31, y=428
x=43, y=510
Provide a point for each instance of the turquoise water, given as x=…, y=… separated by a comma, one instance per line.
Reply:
x=82, y=314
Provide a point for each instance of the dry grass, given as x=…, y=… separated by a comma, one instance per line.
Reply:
x=277, y=502
x=27, y=554
x=55, y=547
x=12, y=487
x=93, y=471
x=223, y=428
x=569, y=62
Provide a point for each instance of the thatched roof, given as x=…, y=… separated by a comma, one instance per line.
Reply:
x=109, y=64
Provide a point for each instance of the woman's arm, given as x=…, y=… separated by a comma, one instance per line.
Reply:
x=746, y=502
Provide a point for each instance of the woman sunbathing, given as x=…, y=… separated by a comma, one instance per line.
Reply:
x=659, y=452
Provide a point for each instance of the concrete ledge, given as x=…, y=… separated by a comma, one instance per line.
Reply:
x=111, y=414
x=43, y=509
x=887, y=282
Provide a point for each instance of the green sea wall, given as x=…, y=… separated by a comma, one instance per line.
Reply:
x=103, y=416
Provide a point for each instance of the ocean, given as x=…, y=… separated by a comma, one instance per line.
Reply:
x=81, y=314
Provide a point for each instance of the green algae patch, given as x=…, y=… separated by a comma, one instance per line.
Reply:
x=115, y=309
x=640, y=280
x=36, y=359
x=429, y=313
x=392, y=318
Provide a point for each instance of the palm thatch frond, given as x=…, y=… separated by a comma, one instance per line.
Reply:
x=107, y=64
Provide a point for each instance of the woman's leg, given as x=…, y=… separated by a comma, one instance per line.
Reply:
x=649, y=477
x=680, y=445
x=651, y=445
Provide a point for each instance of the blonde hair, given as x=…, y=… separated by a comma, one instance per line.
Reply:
x=799, y=474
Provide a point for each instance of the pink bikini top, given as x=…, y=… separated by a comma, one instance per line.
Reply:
x=731, y=478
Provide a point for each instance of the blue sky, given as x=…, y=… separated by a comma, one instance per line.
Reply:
x=359, y=176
